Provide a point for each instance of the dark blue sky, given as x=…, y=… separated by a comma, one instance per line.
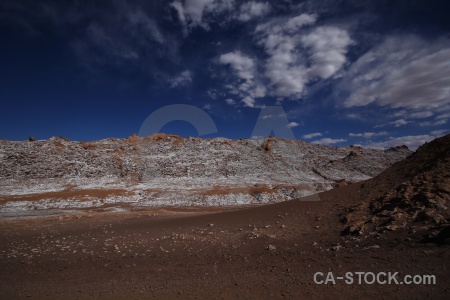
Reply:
x=374, y=73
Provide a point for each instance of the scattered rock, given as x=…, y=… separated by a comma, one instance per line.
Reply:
x=271, y=247
x=336, y=248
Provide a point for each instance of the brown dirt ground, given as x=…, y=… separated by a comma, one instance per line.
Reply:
x=211, y=253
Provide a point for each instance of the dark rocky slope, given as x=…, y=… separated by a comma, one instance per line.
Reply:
x=413, y=194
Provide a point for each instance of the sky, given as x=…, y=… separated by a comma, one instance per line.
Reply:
x=369, y=73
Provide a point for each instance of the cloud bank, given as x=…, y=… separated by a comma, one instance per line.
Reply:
x=405, y=72
x=295, y=54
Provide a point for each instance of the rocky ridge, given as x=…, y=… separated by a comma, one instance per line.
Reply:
x=165, y=169
x=413, y=195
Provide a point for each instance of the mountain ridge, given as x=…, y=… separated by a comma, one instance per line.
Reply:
x=165, y=169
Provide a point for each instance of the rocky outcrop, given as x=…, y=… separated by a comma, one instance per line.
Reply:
x=413, y=194
x=170, y=164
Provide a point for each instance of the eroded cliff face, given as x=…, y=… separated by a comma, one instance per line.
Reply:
x=169, y=170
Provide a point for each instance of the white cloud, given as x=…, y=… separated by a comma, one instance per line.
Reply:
x=402, y=72
x=291, y=49
x=285, y=77
x=258, y=91
x=443, y=116
x=354, y=116
x=295, y=56
x=288, y=25
x=192, y=12
x=241, y=64
x=252, y=9
x=249, y=101
x=138, y=18
x=437, y=123
x=357, y=134
x=368, y=135
x=299, y=21
x=212, y=93
x=244, y=68
x=401, y=113
x=400, y=122
x=293, y=124
x=230, y=101
x=440, y=132
x=312, y=135
x=396, y=123
x=284, y=68
x=412, y=142
x=328, y=47
x=421, y=114
x=178, y=6
x=194, y=9
x=328, y=141
x=182, y=79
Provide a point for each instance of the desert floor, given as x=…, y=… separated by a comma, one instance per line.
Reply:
x=262, y=252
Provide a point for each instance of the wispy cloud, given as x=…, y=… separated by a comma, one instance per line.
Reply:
x=252, y=9
x=193, y=13
x=411, y=141
x=182, y=79
x=293, y=125
x=328, y=48
x=396, y=123
x=311, y=135
x=435, y=123
x=439, y=132
x=284, y=51
x=420, y=114
x=399, y=122
x=230, y=101
x=243, y=65
x=443, y=116
x=244, y=68
x=249, y=101
x=368, y=135
x=401, y=72
x=285, y=67
x=124, y=35
x=328, y=141
x=296, y=54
